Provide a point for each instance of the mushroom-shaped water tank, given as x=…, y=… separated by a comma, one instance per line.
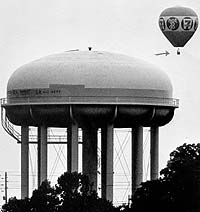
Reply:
x=89, y=86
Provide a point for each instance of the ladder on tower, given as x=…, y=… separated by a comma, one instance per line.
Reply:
x=13, y=130
x=7, y=125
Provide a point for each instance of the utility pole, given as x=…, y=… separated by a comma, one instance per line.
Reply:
x=6, y=188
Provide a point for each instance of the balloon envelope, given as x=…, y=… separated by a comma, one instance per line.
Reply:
x=178, y=24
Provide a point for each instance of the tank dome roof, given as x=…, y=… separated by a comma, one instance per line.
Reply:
x=91, y=69
x=93, y=86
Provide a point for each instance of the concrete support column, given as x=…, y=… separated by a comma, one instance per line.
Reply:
x=42, y=154
x=107, y=162
x=72, y=148
x=90, y=154
x=137, y=157
x=154, y=153
x=24, y=162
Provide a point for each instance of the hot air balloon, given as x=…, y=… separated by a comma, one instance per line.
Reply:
x=178, y=24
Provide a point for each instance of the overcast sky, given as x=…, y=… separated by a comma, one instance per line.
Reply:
x=30, y=29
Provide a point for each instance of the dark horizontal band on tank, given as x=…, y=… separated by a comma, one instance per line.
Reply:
x=63, y=90
x=85, y=100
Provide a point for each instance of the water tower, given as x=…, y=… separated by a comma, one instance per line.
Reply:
x=90, y=90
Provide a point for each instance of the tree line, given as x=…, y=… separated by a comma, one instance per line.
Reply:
x=177, y=189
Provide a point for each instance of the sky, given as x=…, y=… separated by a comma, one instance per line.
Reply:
x=31, y=29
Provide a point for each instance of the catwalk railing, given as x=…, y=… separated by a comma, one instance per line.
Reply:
x=12, y=131
x=110, y=100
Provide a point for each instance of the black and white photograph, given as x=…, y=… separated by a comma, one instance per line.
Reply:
x=99, y=106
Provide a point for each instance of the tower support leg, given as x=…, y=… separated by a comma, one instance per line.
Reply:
x=24, y=162
x=90, y=154
x=107, y=162
x=42, y=154
x=137, y=157
x=72, y=148
x=154, y=153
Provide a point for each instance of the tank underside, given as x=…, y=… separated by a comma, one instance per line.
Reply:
x=122, y=116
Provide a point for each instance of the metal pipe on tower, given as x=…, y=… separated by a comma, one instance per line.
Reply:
x=90, y=154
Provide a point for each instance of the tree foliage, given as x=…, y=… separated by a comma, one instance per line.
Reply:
x=72, y=193
x=178, y=188
x=45, y=198
x=15, y=205
x=76, y=193
x=181, y=160
x=71, y=185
